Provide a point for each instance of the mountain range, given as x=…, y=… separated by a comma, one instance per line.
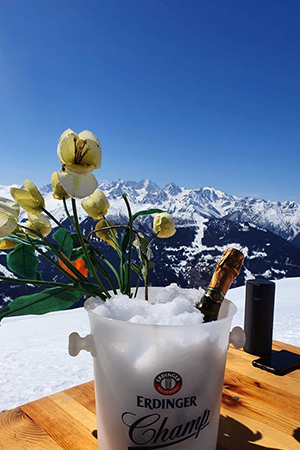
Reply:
x=207, y=221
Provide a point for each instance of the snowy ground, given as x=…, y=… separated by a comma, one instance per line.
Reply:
x=34, y=359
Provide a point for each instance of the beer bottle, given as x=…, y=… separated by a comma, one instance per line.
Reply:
x=227, y=269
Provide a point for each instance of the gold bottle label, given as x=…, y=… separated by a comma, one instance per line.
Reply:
x=227, y=269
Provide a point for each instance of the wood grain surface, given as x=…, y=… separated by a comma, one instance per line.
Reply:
x=260, y=411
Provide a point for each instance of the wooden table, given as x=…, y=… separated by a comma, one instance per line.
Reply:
x=260, y=411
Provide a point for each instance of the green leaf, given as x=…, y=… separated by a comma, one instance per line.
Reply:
x=75, y=239
x=149, y=254
x=23, y=261
x=33, y=241
x=124, y=241
x=136, y=268
x=144, y=271
x=146, y=212
x=77, y=253
x=151, y=264
x=64, y=239
x=54, y=299
x=144, y=242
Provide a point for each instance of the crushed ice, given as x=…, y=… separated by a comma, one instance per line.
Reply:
x=171, y=306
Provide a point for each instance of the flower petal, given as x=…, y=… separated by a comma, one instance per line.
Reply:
x=78, y=170
x=78, y=187
x=35, y=193
x=40, y=223
x=25, y=200
x=94, y=154
x=97, y=205
x=11, y=207
x=8, y=223
x=163, y=225
x=106, y=235
x=58, y=191
x=7, y=244
x=66, y=148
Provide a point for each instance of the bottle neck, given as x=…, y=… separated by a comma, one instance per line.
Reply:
x=214, y=294
x=222, y=279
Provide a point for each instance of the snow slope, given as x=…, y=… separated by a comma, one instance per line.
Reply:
x=34, y=357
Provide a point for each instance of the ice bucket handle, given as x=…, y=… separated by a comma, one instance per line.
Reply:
x=77, y=343
x=237, y=337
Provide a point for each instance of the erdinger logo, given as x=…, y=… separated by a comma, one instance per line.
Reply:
x=168, y=383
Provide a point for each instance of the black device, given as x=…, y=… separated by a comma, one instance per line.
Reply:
x=279, y=363
x=259, y=314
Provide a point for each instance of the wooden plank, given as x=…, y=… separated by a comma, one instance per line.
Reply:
x=259, y=410
x=255, y=400
x=19, y=432
x=277, y=345
x=69, y=429
x=241, y=362
x=84, y=394
x=75, y=410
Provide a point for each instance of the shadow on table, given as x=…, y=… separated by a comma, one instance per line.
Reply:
x=231, y=430
x=296, y=434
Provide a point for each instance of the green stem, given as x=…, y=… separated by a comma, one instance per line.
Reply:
x=77, y=273
x=55, y=264
x=146, y=278
x=137, y=287
x=52, y=217
x=112, y=235
x=105, y=274
x=77, y=277
x=145, y=263
x=82, y=243
x=128, y=278
x=108, y=265
x=67, y=212
x=39, y=282
x=65, y=260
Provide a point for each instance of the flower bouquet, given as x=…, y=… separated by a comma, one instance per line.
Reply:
x=157, y=383
x=77, y=257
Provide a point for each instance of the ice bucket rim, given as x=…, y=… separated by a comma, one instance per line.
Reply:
x=226, y=303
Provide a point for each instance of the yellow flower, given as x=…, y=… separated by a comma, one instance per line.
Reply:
x=8, y=244
x=9, y=212
x=78, y=187
x=79, y=153
x=38, y=222
x=8, y=223
x=106, y=235
x=29, y=198
x=163, y=225
x=10, y=207
x=97, y=205
x=58, y=191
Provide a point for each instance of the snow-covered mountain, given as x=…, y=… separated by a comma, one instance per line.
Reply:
x=207, y=221
x=282, y=218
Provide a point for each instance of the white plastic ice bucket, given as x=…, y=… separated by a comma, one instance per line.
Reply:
x=158, y=386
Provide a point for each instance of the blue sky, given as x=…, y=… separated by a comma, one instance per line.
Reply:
x=201, y=93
